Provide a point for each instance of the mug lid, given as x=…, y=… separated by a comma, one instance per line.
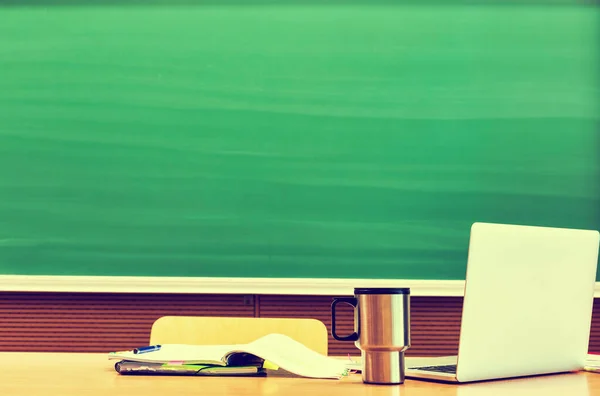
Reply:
x=382, y=290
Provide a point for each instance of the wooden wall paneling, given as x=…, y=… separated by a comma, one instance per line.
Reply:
x=98, y=322
x=594, y=345
x=435, y=325
x=101, y=322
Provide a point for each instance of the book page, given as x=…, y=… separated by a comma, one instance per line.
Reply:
x=295, y=357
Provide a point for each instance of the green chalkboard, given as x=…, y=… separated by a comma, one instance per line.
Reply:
x=352, y=139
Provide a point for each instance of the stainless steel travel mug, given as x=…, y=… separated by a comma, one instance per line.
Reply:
x=381, y=331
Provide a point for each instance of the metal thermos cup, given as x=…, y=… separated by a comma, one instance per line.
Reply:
x=381, y=331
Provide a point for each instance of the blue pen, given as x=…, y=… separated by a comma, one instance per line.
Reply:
x=147, y=349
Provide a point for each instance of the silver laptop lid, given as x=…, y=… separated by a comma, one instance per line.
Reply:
x=528, y=301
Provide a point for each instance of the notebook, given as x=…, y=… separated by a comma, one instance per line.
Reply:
x=278, y=350
x=126, y=367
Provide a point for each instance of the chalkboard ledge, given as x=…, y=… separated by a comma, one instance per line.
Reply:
x=281, y=286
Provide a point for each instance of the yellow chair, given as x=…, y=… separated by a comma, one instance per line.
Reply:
x=207, y=330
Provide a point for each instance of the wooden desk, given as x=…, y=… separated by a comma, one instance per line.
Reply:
x=63, y=374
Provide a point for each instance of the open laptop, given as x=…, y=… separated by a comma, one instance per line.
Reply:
x=527, y=307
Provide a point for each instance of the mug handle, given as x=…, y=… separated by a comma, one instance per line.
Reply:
x=348, y=300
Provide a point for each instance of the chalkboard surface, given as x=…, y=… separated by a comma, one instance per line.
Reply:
x=289, y=139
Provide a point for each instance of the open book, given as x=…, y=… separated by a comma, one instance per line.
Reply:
x=277, y=349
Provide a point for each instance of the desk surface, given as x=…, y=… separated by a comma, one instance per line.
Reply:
x=27, y=374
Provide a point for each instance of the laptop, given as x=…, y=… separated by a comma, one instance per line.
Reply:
x=527, y=307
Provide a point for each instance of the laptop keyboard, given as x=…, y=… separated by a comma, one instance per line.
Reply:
x=448, y=369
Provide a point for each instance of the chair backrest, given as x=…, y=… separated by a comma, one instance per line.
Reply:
x=203, y=330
